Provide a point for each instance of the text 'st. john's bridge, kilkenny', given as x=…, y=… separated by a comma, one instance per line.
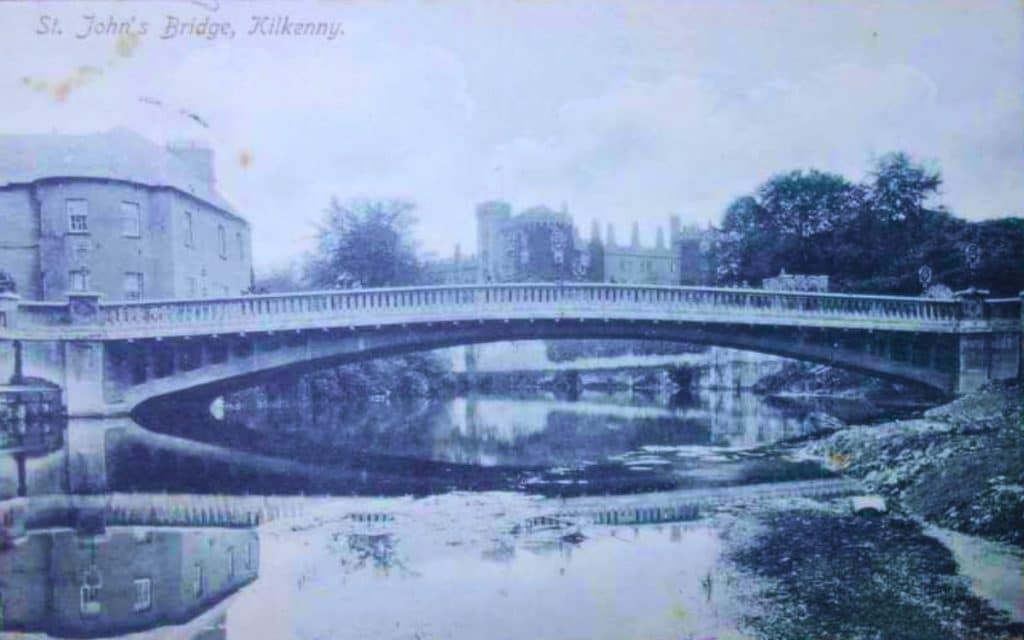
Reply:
x=110, y=357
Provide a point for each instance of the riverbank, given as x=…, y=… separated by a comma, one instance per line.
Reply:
x=959, y=466
x=812, y=569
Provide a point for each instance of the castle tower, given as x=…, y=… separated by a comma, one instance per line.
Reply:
x=490, y=216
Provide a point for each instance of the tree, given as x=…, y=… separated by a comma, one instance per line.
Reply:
x=871, y=237
x=806, y=209
x=365, y=243
x=792, y=223
x=899, y=188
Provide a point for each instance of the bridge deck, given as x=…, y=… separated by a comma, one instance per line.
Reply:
x=504, y=302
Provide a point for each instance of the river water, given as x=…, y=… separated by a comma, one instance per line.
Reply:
x=536, y=516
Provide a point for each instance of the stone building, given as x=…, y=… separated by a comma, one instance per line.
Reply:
x=117, y=214
x=638, y=264
x=543, y=245
x=66, y=583
x=694, y=249
x=538, y=244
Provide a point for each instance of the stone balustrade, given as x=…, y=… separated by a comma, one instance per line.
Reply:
x=542, y=301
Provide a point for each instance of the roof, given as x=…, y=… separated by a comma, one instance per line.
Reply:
x=118, y=154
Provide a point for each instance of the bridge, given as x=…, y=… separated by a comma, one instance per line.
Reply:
x=110, y=357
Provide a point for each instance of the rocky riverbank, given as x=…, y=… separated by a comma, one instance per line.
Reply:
x=810, y=569
x=959, y=466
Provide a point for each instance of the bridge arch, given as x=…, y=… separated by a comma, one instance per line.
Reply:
x=270, y=355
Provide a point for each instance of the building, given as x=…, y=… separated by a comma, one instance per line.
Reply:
x=693, y=246
x=538, y=244
x=796, y=282
x=638, y=264
x=117, y=214
x=124, y=579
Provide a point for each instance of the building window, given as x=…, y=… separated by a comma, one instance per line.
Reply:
x=131, y=219
x=78, y=280
x=198, y=581
x=78, y=216
x=189, y=231
x=241, y=246
x=143, y=594
x=222, y=241
x=673, y=267
x=89, y=600
x=132, y=286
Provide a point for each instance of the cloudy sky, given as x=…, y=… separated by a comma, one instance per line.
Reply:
x=623, y=110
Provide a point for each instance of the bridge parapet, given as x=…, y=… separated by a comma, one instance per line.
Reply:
x=362, y=307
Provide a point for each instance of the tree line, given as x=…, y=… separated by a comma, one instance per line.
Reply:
x=882, y=235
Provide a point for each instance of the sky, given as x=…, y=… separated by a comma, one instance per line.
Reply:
x=621, y=110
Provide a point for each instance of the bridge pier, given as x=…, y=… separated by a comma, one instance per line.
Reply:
x=984, y=353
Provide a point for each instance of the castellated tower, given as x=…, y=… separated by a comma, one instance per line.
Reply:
x=490, y=217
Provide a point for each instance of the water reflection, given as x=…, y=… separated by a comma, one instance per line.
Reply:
x=97, y=581
x=25, y=436
x=597, y=444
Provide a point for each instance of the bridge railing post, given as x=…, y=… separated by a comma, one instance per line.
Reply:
x=84, y=307
x=972, y=305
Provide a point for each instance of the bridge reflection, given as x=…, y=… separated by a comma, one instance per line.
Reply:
x=91, y=580
x=422, y=447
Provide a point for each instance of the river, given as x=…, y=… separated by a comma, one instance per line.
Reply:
x=610, y=515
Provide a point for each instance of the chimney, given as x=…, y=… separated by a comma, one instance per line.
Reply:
x=634, y=237
x=197, y=156
x=610, y=235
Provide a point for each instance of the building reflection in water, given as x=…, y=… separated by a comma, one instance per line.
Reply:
x=96, y=581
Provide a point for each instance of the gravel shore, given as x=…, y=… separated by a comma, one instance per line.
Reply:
x=959, y=466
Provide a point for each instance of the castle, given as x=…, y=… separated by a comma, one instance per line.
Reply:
x=540, y=244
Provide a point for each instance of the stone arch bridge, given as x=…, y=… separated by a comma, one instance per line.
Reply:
x=111, y=357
